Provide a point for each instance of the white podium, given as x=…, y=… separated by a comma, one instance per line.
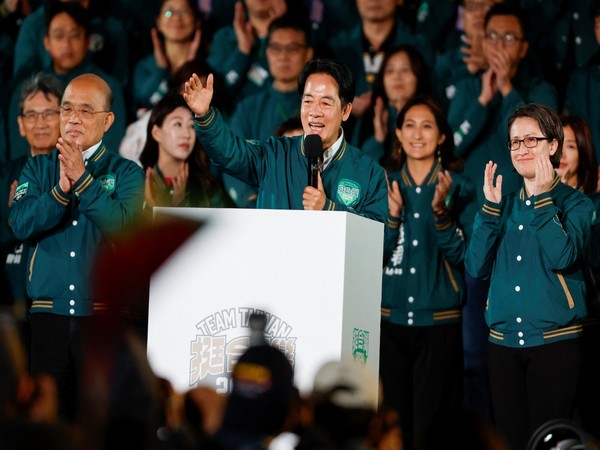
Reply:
x=316, y=274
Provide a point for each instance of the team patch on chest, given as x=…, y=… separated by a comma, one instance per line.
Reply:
x=348, y=192
x=108, y=182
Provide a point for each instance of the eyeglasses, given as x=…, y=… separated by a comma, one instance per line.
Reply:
x=46, y=115
x=85, y=113
x=508, y=38
x=168, y=13
x=529, y=142
x=292, y=49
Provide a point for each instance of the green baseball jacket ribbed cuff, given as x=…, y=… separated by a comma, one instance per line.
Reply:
x=60, y=196
x=491, y=208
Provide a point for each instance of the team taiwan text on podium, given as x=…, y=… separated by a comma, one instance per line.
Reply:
x=316, y=274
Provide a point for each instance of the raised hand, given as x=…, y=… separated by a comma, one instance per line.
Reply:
x=491, y=191
x=71, y=160
x=381, y=115
x=148, y=189
x=243, y=29
x=194, y=46
x=500, y=62
x=160, y=57
x=474, y=58
x=544, y=175
x=180, y=185
x=488, y=87
x=438, y=204
x=198, y=96
x=11, y=194
x=395, y=201
x=314, y=199
x=361, y=103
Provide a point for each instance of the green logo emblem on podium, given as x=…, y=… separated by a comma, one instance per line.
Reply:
x=360, y=345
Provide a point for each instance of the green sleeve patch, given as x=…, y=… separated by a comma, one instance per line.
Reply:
x=21, y=191
x=108, y=182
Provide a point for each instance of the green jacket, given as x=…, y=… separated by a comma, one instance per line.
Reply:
x=275, y=107
x=19, y=145
x=532, y=248
x=423, y=277
x=480, y=132
x=352, y=181
x=244, y=74
x=65, y=230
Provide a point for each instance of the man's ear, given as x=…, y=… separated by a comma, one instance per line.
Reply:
x=21, y=126
x=108, y=121
x=346, y=112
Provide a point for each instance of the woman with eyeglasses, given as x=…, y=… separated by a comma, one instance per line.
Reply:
x=530, y=243
x=579, y=169
x=177, y=168
x=431, y=209
x=176, y=40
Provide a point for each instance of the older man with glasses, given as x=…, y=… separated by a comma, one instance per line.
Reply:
x=38, y=123
x=67, y=204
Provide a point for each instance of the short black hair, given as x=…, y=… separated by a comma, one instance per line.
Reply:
x=74, y=9
x=507, y=9
x=40, y=82
x=287, y=22
x=595, y=9
x=549, y=123
x=338, y=71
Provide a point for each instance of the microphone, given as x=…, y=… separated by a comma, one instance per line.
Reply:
x=313, y=150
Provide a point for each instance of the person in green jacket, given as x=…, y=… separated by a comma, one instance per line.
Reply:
x=69, y=203
x=347, y=180
x=38, y=123
x=237, y=52
x=578, y=168
x=530, y=243
x=175, y=41
x=288, y=50
x=67, y=41
x=431, y=210
x=481, y=105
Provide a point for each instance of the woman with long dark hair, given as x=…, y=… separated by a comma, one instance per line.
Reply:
x=403, y=75
x=578, y=168
x=431, y=208
x=177, y=168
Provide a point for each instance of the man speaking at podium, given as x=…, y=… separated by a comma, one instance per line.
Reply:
x=347, y=180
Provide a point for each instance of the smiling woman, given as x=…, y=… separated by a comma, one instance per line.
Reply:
x=530, y=243
x=430, y=215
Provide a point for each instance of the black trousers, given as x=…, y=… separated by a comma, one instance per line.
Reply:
x=530, y=386
x=421, y=371
x=56, y=349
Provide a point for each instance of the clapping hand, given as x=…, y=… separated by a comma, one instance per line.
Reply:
x=491, y=191
x=438, y=204
x=72, y=166
x=544, y=175
x=395, y=202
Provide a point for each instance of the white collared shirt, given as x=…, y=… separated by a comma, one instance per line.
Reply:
x=90, y=151
x=329, y=153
